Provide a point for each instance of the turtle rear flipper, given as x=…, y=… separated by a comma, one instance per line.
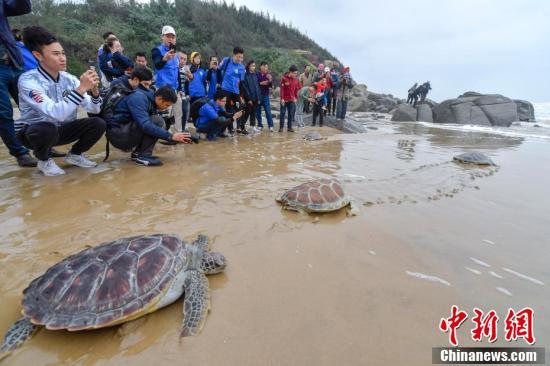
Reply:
x=19, y=332
x=196, y=303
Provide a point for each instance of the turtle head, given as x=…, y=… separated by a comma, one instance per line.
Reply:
x=213, y=262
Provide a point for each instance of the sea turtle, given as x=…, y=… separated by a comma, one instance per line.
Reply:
x=319, y=195
x=473, y=157
x=117, y=282
x=313, y=136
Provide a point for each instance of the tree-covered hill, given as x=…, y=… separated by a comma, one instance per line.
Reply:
x=211, y=28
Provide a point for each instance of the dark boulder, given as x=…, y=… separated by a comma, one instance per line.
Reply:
x=404, y=113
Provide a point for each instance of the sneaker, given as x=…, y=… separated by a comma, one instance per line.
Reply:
x=56, y=154
x=291, y=130
x=136, y=155
x=147, y=160
x=26, y=161
x=270, y=129
x=49, y=168
x=169, y=143
x=280, y=130
x=79, y=160
x=256, y=130
x=243, y=132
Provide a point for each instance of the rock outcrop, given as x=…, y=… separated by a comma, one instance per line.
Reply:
x=469, y=108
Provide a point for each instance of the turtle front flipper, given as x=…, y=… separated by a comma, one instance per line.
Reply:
x=19, y=332
x=202, y=242
x=196, y=303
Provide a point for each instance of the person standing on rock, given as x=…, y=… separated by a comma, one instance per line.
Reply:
x=11, y=67
x=319, y=73
x=425, y=89
x=411, y=93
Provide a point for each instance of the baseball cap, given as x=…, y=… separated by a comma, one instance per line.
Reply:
x=168, y=30
x=327, y=69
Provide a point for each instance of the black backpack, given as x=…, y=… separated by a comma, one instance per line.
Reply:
x=114, y=95
x=195, y=108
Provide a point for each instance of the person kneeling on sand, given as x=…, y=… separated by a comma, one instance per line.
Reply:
x=49, y=98
x=213, y=118
x=136, y=124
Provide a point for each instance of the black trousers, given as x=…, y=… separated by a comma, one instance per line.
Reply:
x=250, y=112
x=40, y=137
x=317, y=111
x=130, y=136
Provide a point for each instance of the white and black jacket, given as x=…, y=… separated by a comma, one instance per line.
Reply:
x=44, y=99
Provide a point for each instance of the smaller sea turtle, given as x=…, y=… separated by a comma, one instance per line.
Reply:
x=313, y=136
x=319, y=195
x=474, y=157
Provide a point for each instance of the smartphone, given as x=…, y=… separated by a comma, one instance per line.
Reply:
x=91, y=65
x=173, y=47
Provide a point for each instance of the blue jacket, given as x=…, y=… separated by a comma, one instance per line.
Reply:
x=29, y=61
x=233, y=74
x=138, y=107
x=251, y=87
x=167, y=72
x=197, y=87
x=213, y=78
x=11, y=8
x=119, y=64
x=208, y=112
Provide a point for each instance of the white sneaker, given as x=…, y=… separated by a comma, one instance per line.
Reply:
x=256, y=130
x=270, y=129
x=49, y=168
x=79, y=160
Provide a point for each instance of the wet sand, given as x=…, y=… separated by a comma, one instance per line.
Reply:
x=298, y=290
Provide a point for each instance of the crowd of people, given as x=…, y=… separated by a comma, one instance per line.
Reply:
x=135, y=104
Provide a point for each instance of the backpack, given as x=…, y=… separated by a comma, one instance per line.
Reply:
x=225, y=63
x=112, y=98
x=195, y=108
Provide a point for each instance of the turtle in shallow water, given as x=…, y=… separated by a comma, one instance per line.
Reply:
x=313, y=136
x=117, y=282
x=474, y=157
x=319, y=195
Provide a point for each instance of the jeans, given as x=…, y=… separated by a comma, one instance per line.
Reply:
x=290, y=108
x=232, y=105
x=264, y=102
x=42, y=136
x=300, y=114
x=9, y=76
x=341, y=108
x=130, y=136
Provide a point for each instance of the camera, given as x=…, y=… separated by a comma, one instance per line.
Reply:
x=195, y=138
x=173, y=47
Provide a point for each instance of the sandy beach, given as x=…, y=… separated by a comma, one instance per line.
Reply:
x=299, y=289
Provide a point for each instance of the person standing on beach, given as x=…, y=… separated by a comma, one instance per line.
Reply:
x=251, y=94
x=182, y=110
x=213, y=77
x=233, y=72
x=266, y=82
x=289, y=96
x=196, y=84
x=343, y=94
x=306, y=94
x=306, y=78
x=11, y=67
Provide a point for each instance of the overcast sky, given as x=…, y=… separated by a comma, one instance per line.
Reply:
x=492, y=46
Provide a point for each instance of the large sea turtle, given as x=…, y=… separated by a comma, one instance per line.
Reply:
x=319, y=195
x=474, y=157
x=117, y=282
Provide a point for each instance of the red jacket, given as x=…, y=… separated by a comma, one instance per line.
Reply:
x=289, y=88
